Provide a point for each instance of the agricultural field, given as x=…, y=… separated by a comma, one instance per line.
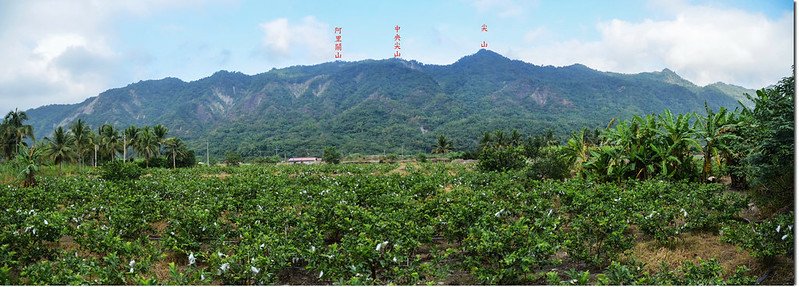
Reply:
x=392, y=223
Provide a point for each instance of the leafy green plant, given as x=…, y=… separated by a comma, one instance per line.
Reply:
x=577, y=278
x=501, y=158
x=28, y=164
x=550, y=164
x=770, y=134
x=421, y=157
x=504, y=251
x=7, y=257
x=764, y=240
x=118, y=170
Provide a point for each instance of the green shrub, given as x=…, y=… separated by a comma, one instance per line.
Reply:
x=331, y=155
x=501, y=158
x=232, y=158
x=118, y=170
x=598, y=237
x=548, y=165
x=770, y=160
x=188, y=159
x=764, y=240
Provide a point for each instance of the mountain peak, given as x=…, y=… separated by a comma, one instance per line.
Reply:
x=481, y=57
x=666, y=71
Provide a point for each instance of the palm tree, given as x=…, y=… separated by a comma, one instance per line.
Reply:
x=81, y=135
x=14, y=131
x=109, y=142
x=160, y=135
x=443, y=145
x=499, y=138
x=146, y=144
x=128, y=137
x=175, y=147
x=59, y=147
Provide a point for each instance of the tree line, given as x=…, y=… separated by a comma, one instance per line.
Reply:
x=80, y=144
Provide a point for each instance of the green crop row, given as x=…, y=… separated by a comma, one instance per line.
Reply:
x=341, y=224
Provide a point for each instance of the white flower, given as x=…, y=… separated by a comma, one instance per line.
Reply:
x=499, y=213
x=321, y=273
x=262, y=246
x=192, y=259
x=684, y=213
x=550, y=212
x=784, y=236
x=219, y=254
x=34, y=231
x=45, y=222
x=379, y=245
x=395, y=259
x=778, y=228
x=131, y=264
x=202, y=277
x=313, y=248
x=224, y=267
x=254, y=270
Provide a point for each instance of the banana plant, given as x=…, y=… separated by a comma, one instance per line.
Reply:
x=28, y=161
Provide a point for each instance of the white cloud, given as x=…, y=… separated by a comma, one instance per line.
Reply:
x=60, y=51
x=701, y=43
x=308, y=41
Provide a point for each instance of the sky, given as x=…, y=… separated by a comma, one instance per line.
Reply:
x=61, y=52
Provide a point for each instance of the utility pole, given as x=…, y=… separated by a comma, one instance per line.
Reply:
x=207, y=154
x=124, y=146
x=95, y=155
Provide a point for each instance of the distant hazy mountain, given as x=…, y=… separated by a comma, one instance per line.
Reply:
x=384, y=106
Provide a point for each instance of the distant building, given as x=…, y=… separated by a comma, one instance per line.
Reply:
x=305, y=160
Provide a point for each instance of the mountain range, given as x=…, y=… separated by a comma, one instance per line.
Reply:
x=380, y=106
